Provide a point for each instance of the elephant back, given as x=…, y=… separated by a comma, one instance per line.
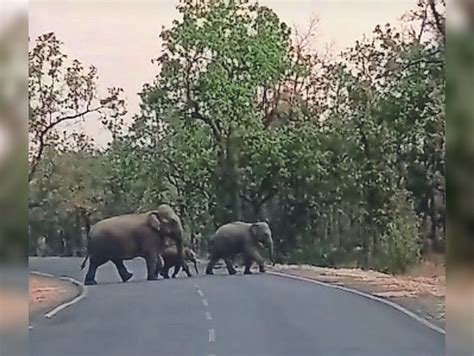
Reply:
x=233, y=230
x=131, y=224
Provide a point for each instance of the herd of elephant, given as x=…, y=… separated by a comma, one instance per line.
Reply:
x=148, y=234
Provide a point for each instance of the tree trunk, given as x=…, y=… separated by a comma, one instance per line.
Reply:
x=228, y=198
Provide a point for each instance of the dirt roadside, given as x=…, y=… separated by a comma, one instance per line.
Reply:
x=45, y=293
x=421, y=291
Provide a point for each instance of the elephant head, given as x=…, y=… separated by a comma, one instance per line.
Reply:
x=168, y=224
x=190, y=255
x=261, y=233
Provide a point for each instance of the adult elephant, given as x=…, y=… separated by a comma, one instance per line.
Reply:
x=240, y=238
x=170, y=259
x=128, y=236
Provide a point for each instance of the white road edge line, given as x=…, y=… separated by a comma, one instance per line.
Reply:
x=201, y=293
x=208, y=316
x=82, y=294
x=42, y=274
x=204, y=302
x=63, y=306
x=212, y=335
x=369, y=296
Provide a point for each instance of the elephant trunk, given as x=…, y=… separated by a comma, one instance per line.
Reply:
x=270, y=246
x=179, y=245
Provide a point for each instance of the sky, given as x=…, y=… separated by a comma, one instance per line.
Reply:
x=120, y=37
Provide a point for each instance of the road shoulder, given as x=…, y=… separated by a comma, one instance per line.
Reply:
x=423, y=297
x=48, y=292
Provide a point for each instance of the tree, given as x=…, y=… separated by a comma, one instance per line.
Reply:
x=212, y=65
x=245, y=120
x=62, y=91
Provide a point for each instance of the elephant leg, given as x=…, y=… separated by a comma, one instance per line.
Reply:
x=160, y=265
x=177, y=268
x=122, y=270
x=151, y=262
x=93, y=265
x=230, y=268
x=164, y=272
x=248, y=264
x=210, y=265
x=255, y=256
x=185, y=269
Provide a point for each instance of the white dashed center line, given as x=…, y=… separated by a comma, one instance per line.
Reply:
x=212, y=335
x=212, y=332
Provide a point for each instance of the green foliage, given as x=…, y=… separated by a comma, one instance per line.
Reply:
x=344, y=158
x=399, y=247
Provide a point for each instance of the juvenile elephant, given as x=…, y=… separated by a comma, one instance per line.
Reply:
x=170, y=259
x=239, y=238
x=128, y=236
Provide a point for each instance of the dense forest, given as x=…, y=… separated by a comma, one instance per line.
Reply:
x=245, y=120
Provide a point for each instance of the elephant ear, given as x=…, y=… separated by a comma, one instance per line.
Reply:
x=155, y=221
x=254, y=229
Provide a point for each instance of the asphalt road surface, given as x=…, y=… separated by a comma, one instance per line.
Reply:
x=219, y=315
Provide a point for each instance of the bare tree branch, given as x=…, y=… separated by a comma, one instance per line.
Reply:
x=438, y=20
x=42, y=135
x=197, y=115
x=423, y=23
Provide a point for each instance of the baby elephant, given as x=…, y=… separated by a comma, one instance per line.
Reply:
x=239, y=238
x=170, y=259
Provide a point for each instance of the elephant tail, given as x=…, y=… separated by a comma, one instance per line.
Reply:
x=87, y=225
x=83, y=264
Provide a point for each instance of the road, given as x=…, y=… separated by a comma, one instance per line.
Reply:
x=219, y=315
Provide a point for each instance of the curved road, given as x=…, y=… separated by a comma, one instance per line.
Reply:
x=221, y=315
